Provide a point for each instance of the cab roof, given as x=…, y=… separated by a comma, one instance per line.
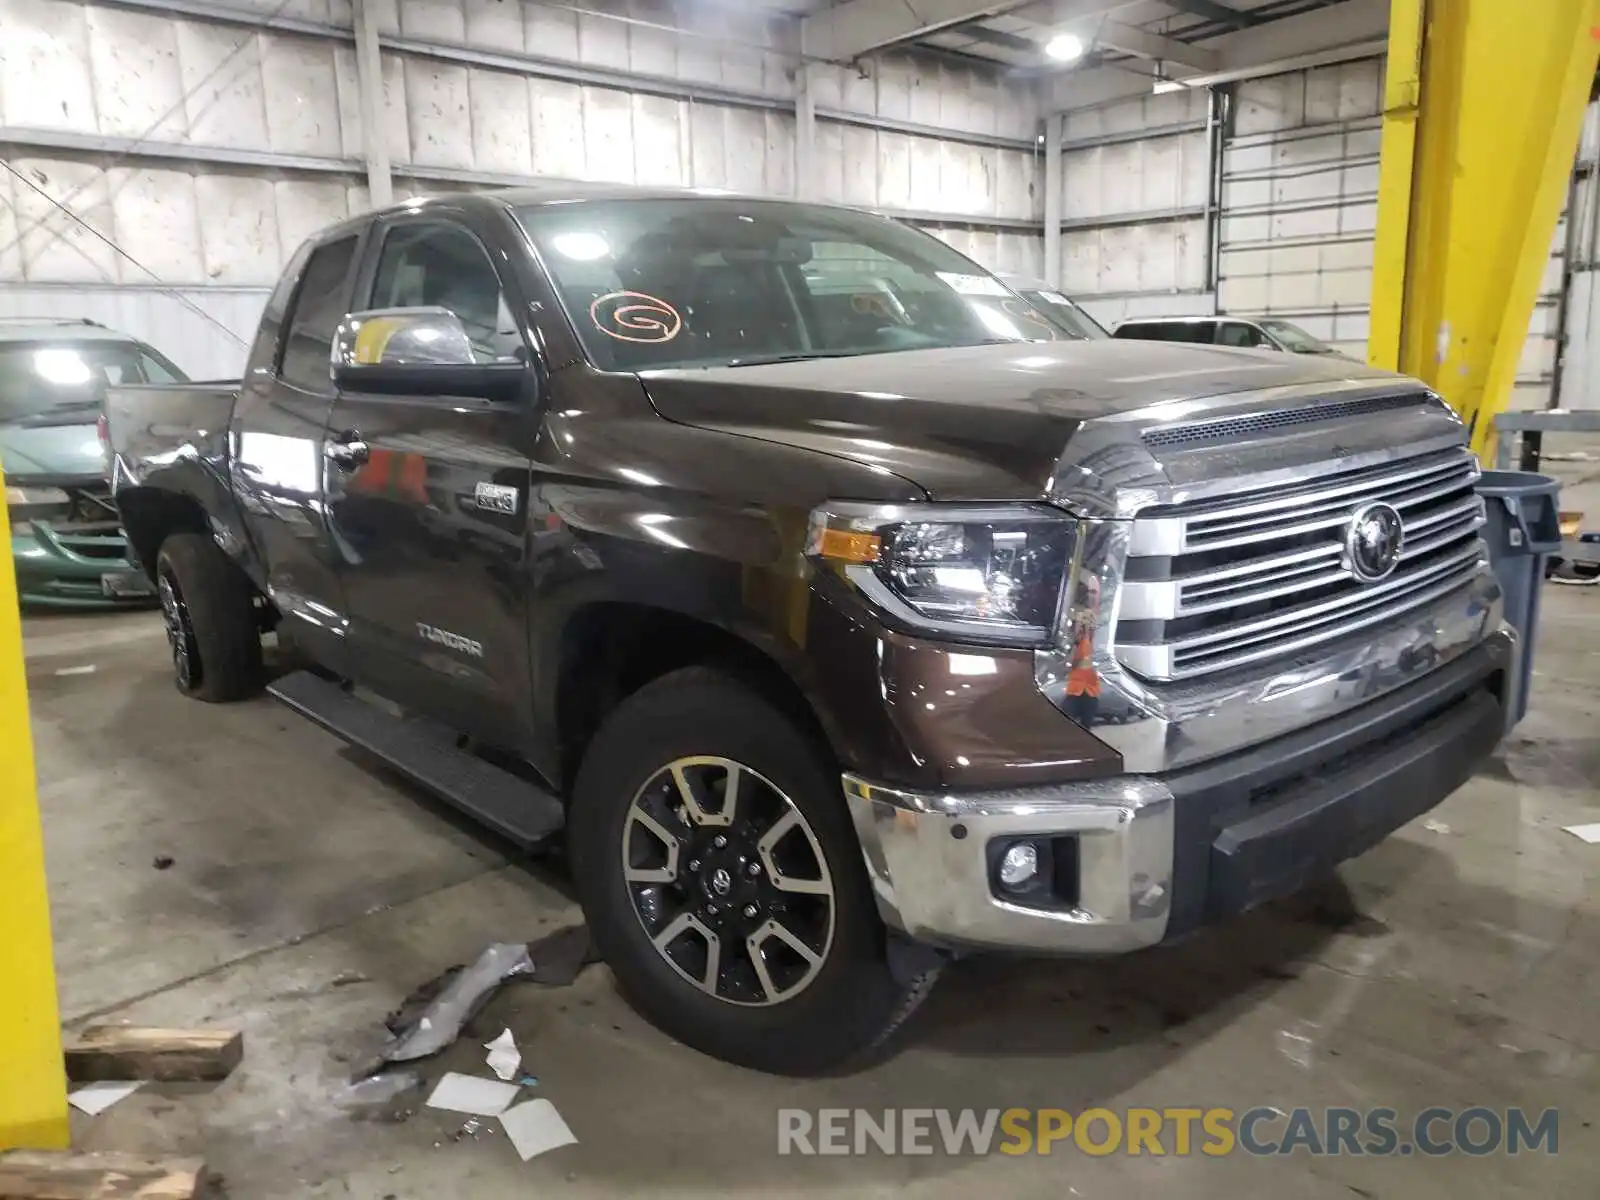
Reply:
x=48, y=329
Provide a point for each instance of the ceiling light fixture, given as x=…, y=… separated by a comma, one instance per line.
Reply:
x=1065, y=47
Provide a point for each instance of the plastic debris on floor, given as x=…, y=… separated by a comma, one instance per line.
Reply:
x=1589, y=833
x=460, y=1093
x=385, y=1095
x=504, y=1057
x=433, y=1016
x=536, y=1127
x=456, y=996
x=95, y=1098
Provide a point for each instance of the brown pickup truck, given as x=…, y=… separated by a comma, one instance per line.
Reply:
x=842, y=615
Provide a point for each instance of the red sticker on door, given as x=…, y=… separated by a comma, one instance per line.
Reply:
x=635, y=317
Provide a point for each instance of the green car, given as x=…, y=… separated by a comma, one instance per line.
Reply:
x=65, y=538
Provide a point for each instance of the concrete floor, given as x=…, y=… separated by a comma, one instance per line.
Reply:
x=1456, y=964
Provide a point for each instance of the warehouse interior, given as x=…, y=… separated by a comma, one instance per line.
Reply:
x=236, y=867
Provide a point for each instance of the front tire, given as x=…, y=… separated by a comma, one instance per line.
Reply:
x=723, y=882
x=209, y=610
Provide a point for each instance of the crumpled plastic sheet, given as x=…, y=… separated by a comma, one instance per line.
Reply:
x=441, y=1021
x=378, y=1091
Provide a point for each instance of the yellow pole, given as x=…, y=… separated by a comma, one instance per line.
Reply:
x=33, y=1082
x=1477, y=149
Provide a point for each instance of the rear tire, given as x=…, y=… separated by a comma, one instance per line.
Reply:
x=209, y=608
x=760, y=895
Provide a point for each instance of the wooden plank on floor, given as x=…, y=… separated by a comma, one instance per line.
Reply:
x=64, y=1175
x=168, y=1055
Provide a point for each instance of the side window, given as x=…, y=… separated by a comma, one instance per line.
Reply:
x=318, y=308
x=1200, y=332
x=1142, y=333
x=1237, y=333
x=446, y=267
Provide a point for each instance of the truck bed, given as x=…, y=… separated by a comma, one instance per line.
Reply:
x=150, y=426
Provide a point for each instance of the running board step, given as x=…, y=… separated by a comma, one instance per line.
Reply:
x=426, y=753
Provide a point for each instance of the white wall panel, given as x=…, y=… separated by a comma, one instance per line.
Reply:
x=300, y=88
x=47, y=60
x=1015, y=253
x=137, y=80
x=239, y=236
x=500, y=117
x=157, y=212
x=53, y=245
x=1121, y=197
x=86, y=70
x=942, y=95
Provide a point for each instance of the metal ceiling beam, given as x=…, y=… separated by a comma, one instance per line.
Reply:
x=1090, y=20
x=1141, y=43
x=1213, y=10
x=853, y=28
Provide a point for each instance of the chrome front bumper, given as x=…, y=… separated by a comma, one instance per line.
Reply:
x=928, y=857
x=1158, y=856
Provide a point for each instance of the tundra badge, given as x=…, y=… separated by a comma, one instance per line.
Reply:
x=495, y=497
x=454, y=641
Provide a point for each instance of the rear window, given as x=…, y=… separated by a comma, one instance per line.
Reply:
x=41, y=381
x=1166, y=331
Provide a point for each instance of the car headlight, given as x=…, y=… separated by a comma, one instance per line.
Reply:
x=992, y=573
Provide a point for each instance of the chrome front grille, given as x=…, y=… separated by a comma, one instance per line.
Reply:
x=1221, y=584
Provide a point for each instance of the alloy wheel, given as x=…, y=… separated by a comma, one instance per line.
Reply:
x=729, y=881
x=180, y=631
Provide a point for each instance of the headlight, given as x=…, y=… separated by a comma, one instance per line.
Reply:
x=989, y=572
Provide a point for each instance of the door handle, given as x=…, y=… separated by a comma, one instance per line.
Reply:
x=347, y=450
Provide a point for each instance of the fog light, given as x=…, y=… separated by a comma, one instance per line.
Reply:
x=1019, y=864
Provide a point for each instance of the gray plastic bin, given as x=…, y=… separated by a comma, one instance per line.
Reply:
x=1524, y=529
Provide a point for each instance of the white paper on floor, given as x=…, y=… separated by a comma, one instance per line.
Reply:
x=1589, y=833
x=95, y=1098
x=536, y=1127
x=469, y=1094
x=504, y=1057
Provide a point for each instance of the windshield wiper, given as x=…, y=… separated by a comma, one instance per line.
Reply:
x=760, y=360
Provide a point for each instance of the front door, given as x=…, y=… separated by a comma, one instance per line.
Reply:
x=427, y=502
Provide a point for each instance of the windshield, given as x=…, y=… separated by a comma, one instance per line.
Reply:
x=1292, y=337
x=43, y=383
x=708, y=282
x=1065, y=315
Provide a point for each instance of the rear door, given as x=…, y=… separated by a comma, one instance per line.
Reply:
x=278, y=425
x=430, y=523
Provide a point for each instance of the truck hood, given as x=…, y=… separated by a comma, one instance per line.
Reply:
x=54, y=450
x=971, y=422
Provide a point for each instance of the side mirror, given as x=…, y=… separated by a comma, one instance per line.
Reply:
x=418, y=352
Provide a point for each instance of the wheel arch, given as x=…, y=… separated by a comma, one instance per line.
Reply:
x=151, y=515
x=609, y=649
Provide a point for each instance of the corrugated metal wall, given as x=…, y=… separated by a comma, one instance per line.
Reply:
x=1135, y=176
x=1294, y=223
x=1300, y=200
x=1299, y=205
x=196, y=151
x=1579, y=372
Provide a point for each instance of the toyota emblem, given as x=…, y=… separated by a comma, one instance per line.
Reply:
x=1373, y=541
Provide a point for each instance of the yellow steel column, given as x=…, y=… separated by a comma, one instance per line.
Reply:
x=33, y=1082
x=1483, y=105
